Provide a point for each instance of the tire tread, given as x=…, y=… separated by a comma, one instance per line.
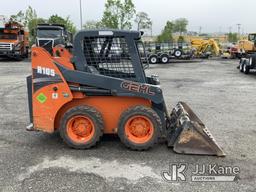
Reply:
x=97, y=119
x=134, y=111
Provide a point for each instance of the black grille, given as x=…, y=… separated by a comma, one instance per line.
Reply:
x=46, y=44
x=110, y=56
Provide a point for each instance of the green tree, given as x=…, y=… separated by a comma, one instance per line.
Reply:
x=143, y=21
x=29, y=16
x=56, y=19
x=166, y=34
x=93, y=25
x=19, y=17
x=24, y=18
x=232, y=37
x=180, y=25
x=32, y=24
x=118, y=14
x=29, y=19
x=181, y=39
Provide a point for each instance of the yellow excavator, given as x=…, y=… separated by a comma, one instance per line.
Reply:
x=205, y=47
x=247, y=46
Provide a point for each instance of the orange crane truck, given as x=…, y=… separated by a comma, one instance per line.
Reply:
x=14, y=42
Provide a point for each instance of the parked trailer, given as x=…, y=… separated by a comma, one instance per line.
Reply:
x=164, y=52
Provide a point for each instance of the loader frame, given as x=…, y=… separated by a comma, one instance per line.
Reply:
x=84, y=79
x=102, y=88
x=139, y=87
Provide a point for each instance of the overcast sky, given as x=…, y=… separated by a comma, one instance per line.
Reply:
x=211, y=15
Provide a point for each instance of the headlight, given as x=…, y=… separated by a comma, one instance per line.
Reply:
x=12, y=46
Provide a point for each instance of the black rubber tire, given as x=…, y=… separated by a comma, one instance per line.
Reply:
x=164, y=58
x=18, y=58
x=152, y=59
x=144, y=111
x=90, y=112
x=253, y=59
x=177, y=53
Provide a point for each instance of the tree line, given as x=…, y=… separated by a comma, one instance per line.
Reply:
x=118, y=14
x=30, y=19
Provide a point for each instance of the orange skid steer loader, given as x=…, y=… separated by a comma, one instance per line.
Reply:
x=101, y=88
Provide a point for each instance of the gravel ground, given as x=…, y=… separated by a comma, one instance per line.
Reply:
x=215, y=89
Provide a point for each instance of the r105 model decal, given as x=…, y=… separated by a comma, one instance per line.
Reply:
x=43, y=76
x=46, y=71
x=136, y=87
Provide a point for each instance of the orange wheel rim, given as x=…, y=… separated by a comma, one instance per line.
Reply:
x=139, y=129
x=80, y=129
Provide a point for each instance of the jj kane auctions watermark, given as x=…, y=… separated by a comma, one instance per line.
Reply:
x=178, y=172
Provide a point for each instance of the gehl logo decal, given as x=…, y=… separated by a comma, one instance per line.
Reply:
x=136, y=87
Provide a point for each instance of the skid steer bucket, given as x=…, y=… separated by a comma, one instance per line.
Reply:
x=189, y=135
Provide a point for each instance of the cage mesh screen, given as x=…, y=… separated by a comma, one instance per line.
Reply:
x=109, y=56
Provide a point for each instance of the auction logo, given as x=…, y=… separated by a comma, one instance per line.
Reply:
x=201, y=173
x=176, y=173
